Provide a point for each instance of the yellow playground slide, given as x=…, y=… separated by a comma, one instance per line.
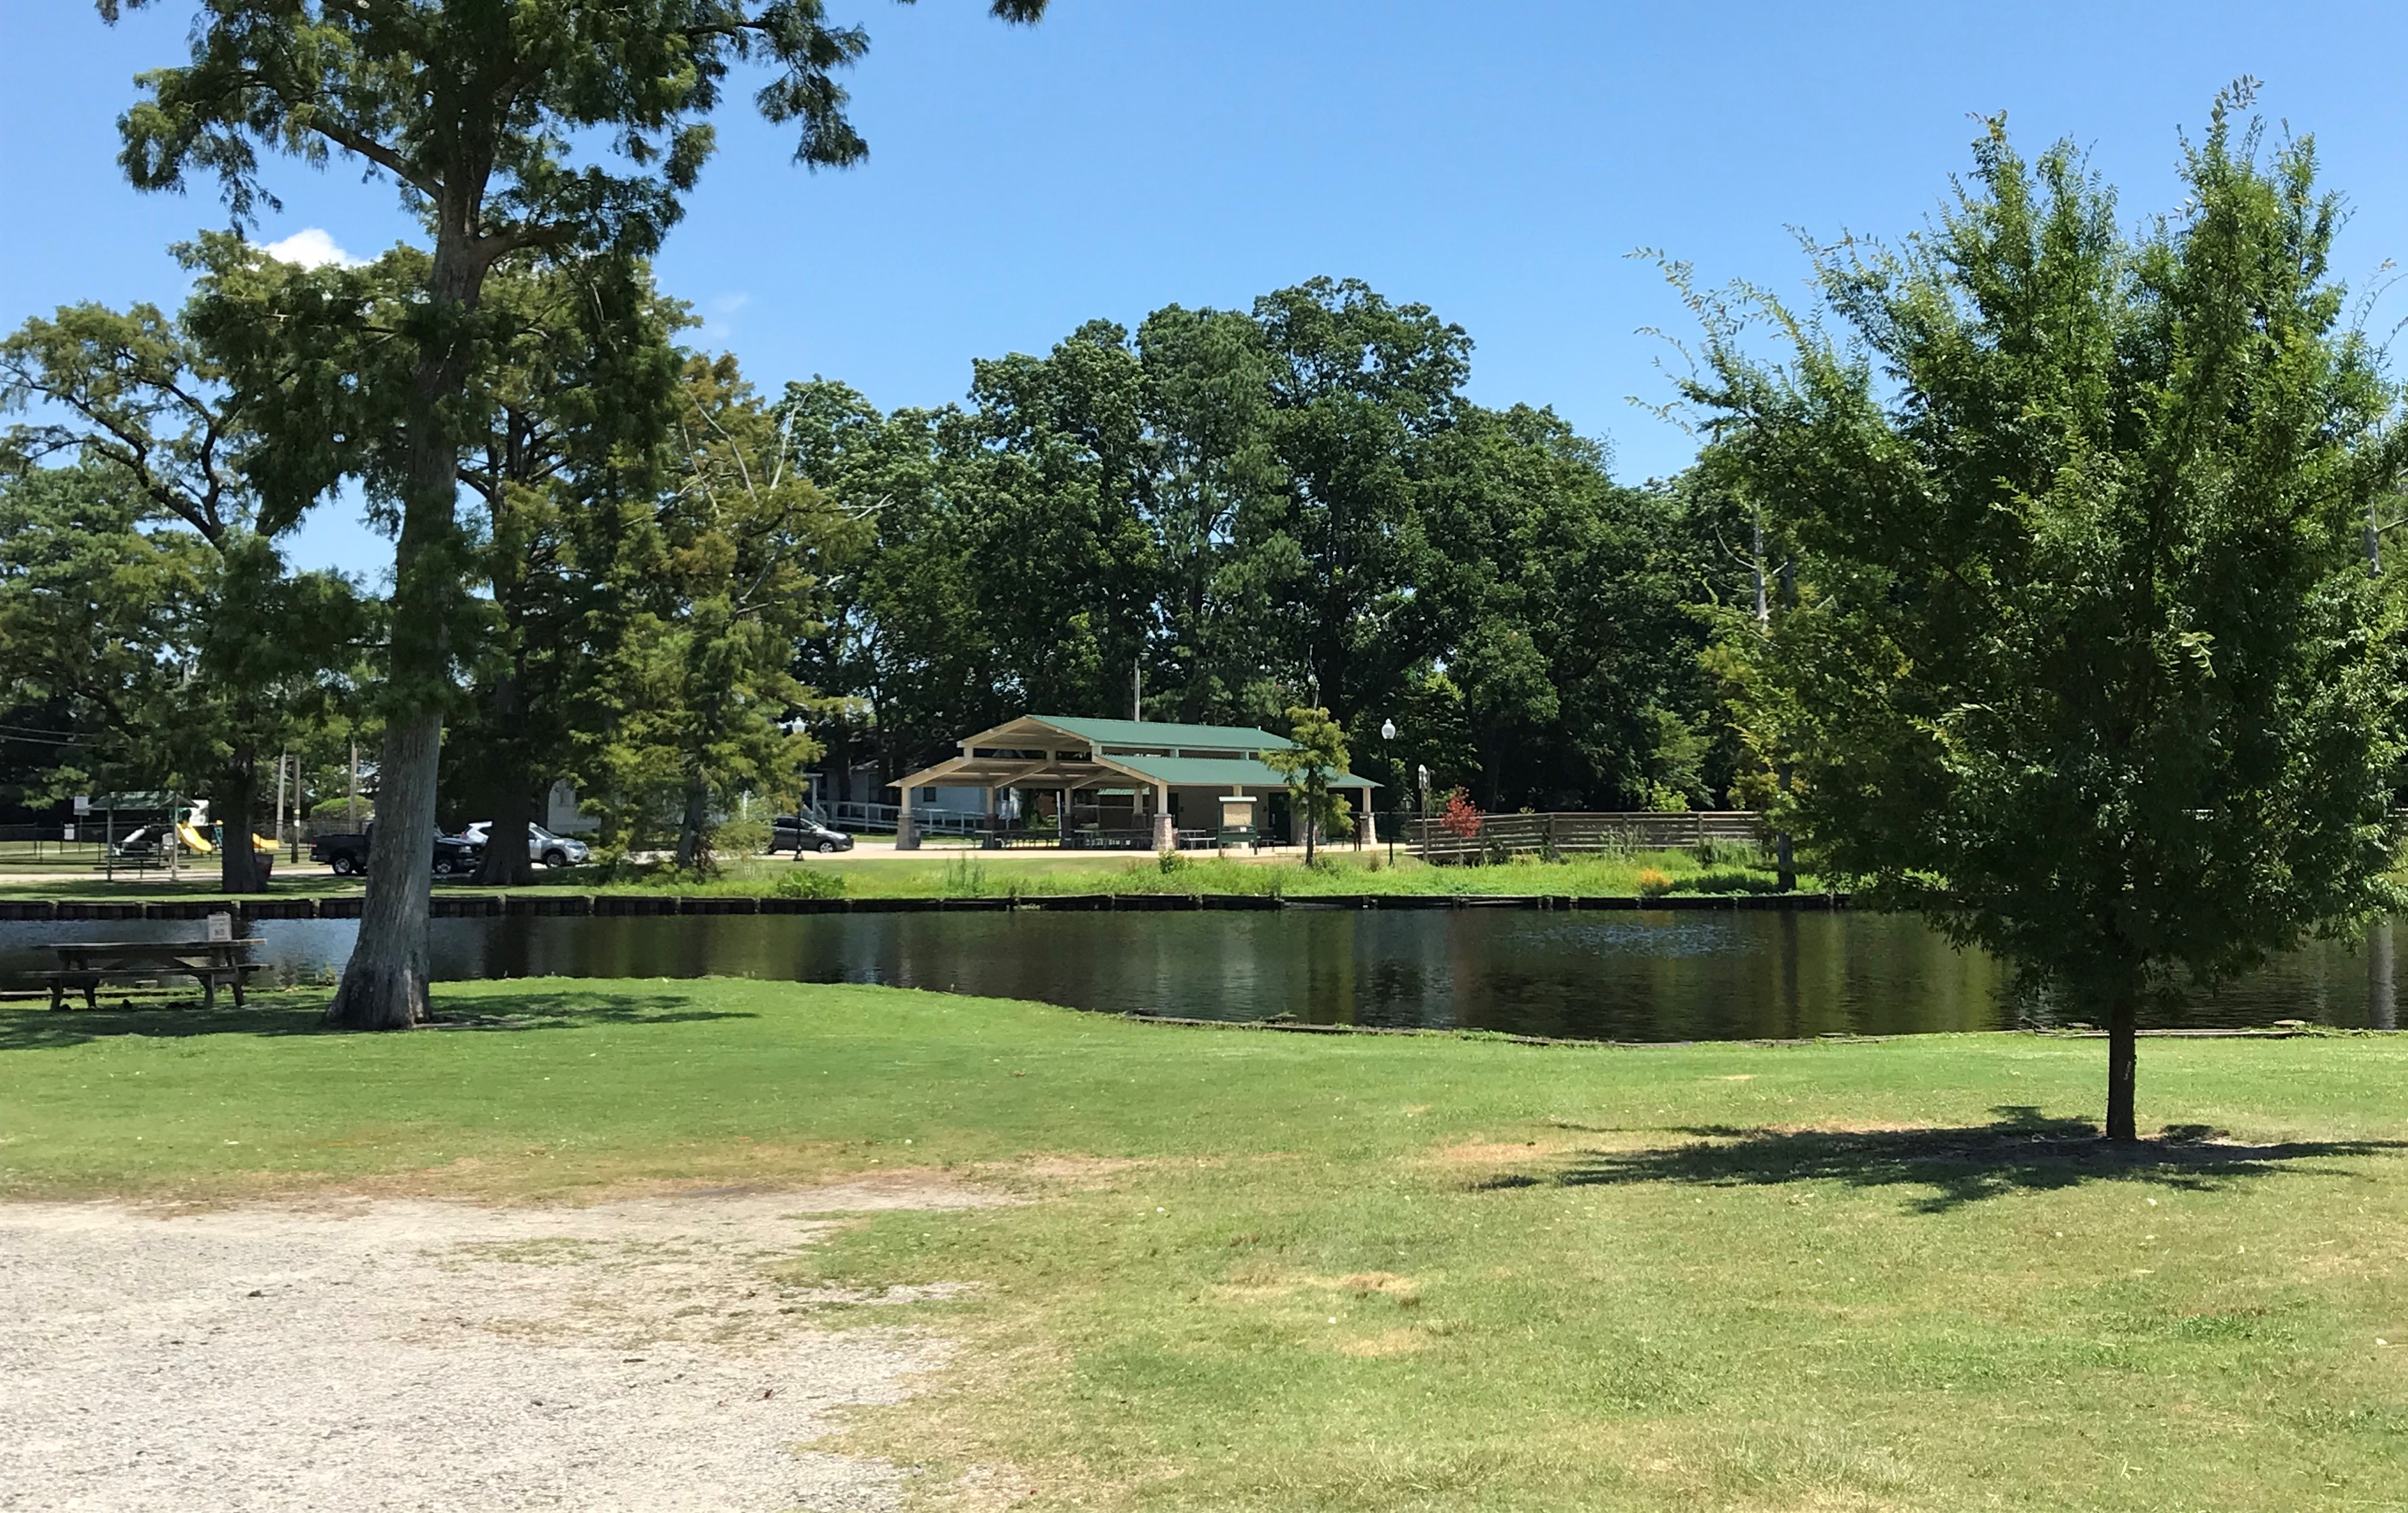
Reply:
x=194, y=842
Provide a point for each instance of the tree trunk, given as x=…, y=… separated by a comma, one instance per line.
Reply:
x=2123, y=1059
x=690, y=854
x=505, y=863
x=230, y=801
x=1784, y=860
x=385, y=984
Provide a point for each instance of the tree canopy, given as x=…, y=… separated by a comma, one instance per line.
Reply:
x=2086, y=663
x=559, y=132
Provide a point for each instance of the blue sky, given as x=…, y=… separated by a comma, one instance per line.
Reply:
x=1495, y=161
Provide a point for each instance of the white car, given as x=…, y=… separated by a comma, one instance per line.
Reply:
x=542, y=846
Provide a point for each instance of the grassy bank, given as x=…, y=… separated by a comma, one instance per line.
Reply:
x=964, y=874
x=1270, y=1270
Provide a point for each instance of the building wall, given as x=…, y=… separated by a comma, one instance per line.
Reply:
x=562, y=816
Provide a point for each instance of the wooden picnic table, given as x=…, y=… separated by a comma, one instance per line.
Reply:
x=84, y=963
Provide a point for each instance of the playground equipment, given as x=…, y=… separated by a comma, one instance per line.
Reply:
x=199, y=844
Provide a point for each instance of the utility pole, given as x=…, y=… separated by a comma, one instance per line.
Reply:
x=281, y=758
x=355, y=787
x=1137, y=687
x=1784, y=860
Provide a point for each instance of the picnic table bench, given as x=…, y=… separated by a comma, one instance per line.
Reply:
x=83, y=965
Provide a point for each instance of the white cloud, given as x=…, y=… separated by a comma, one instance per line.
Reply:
x=313, y=248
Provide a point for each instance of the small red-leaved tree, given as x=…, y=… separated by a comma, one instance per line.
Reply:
x=1462, y=816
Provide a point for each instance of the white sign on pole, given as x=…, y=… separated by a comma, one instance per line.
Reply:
x=220, y=927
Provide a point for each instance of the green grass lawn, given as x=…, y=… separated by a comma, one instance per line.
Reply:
x=1291, y=1272
x=964, y=872
x=969, y=873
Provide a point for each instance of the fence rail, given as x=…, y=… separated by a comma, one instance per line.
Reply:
x=881, y=818
x=1497, y=837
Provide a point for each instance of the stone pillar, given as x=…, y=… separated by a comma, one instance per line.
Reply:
x=907, y=829
x=991, y=842
x=1166, y=830
x=1367, y=833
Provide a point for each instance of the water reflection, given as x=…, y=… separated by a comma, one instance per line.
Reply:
x=1656, y=975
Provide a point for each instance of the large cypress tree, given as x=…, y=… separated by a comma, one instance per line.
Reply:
x=514, y=130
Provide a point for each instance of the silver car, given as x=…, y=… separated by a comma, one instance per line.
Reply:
x=542, y=846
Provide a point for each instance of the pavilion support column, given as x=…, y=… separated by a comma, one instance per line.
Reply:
x=1166, y=830
x=993, y=841
x=907, y=829
x=1367, y=833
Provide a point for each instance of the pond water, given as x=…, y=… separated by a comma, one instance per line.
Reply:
x=1644, y=975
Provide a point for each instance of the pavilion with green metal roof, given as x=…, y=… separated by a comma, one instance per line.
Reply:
x=1210, y=774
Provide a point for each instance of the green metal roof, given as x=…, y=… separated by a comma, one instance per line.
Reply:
x=1214, y=772
x=1160, y=733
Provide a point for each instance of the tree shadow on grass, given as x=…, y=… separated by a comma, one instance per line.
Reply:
x=2023, y=1150
x=36, y=1028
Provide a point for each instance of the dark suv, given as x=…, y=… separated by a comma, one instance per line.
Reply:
x=795, y=833
x=348, y=855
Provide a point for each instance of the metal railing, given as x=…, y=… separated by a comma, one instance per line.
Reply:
x=883, y=819
x=1501, y=836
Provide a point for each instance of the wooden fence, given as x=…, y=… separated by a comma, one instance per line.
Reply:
x=1500, y=837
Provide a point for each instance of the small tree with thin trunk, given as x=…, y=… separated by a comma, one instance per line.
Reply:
x=514, y=131
x=1318, y=755
x=2085, y=664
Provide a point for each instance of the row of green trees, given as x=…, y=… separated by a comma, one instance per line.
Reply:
x=1223, y=517
x=1227, y=514
x=640, y=564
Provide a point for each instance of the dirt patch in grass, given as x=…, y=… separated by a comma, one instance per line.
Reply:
x=1395, y=1342
x=387, y=1354
x=1082, y=1172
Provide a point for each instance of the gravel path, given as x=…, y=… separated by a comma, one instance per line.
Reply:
x=391, y=1356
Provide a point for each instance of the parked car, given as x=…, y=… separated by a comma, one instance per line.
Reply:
x=797, y=834
x=542, y=846
x=348, y=855
x=456, y=854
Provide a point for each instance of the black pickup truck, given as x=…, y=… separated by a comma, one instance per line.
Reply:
x=348, y=855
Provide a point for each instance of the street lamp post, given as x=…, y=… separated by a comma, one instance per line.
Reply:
x=1388, y=737
x=795, y=727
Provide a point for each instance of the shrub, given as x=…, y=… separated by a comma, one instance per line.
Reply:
x=809, y=882
x=1173, y=862
x=1729, y=854
x=965, y=879
x=740, y=837
x=1729, y=880
x=1653, y=884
